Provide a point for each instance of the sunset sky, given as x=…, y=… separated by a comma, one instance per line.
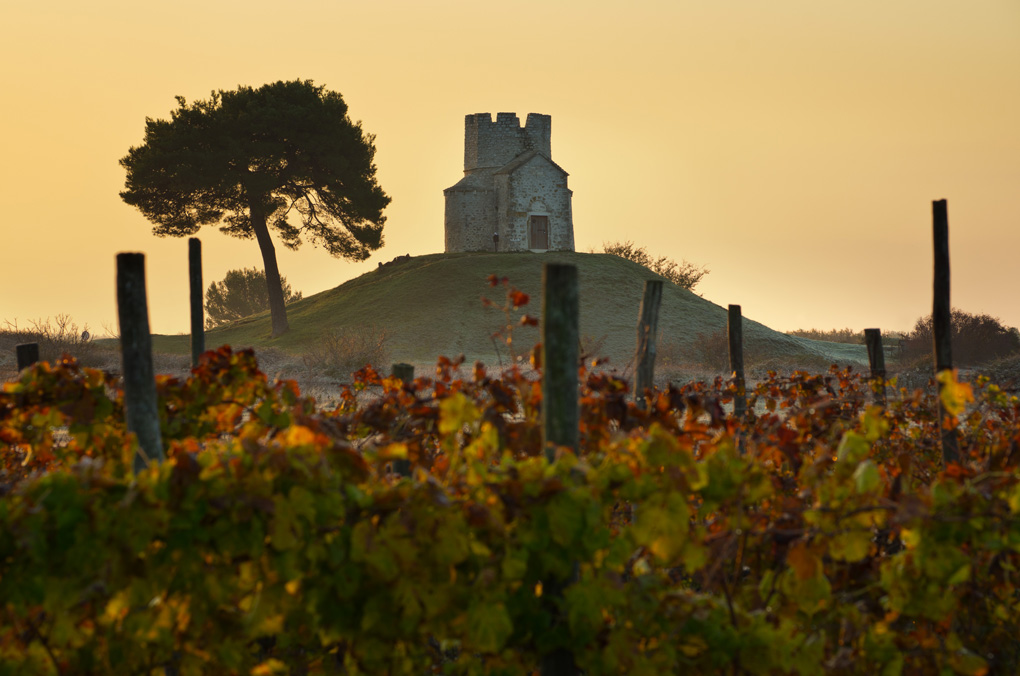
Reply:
x=793, y=147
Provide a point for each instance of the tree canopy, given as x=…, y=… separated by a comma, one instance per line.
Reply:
x=285, y=157
x=241, y=293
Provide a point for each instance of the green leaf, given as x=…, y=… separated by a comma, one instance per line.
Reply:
x=662, y=525
x=489, y=626
x=283, y=526
x=851, y=546
x=852, y=448
x=566, y=517
x=867, y=477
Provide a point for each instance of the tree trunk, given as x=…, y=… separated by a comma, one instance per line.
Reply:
x=277, y=307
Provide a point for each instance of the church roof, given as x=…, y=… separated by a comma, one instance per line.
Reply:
x=479, y=179
x=522, y=159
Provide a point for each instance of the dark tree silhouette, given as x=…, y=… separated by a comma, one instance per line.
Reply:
x=285, y=156
x=242, y=293
x=684, y=274
x=976, y=339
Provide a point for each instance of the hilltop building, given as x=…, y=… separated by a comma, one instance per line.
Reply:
x=511, y=188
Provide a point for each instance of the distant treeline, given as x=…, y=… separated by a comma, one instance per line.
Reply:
x=844, y=336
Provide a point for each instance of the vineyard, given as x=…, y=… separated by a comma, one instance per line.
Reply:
x=821, y=534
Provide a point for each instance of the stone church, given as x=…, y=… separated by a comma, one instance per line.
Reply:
x=513, y=197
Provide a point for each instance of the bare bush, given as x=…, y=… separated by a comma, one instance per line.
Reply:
x=340, y=352
x=684, y=274
x=591, y=347
x=712, y=351
x=55, y=337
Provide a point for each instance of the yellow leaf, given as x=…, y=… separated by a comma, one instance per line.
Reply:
x=1014, y=499
x=269, y=667
x=116, y=609
x=270, y=625
x=954, y=395
x=298, y=435
x=397, y=451
x=454, y=412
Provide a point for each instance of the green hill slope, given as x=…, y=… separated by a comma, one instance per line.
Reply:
x=431, y=305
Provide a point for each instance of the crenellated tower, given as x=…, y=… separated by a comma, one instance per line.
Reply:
x=511, y=188
x=490, y=145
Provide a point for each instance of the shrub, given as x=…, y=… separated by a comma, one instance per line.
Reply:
x=242, y=293
x=976, y=340
x=340, y=352
x=712, y=350
x=683, y=274
x=55, y=337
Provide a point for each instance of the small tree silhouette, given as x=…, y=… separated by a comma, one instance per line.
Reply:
x=242, y=293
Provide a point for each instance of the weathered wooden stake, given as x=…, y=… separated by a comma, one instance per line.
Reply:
x=941, y=315
x=406, y=374
x=28, y=354
x=647, y=332
x=140, y=403
x=560, y=354
x=735, y=333
x=197, y=311
x=876, y=360
x=560, y=409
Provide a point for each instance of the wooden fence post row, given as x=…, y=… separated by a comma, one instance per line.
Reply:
x=28, y=354
x=140, y=403
x=941, y=322
x=197, y=311
x=735, y=334
x=647, y=333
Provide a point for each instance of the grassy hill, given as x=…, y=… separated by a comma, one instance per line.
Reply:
x=431, y=305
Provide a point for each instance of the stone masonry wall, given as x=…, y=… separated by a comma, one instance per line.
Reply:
x=537, y=188
x=470, y=219
x=493, y=144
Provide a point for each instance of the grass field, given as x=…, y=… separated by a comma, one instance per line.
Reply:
x=431, y=305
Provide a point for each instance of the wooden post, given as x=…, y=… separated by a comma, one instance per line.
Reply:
x=560, y=410
x=735, y=334
x=941, y=315
x=403, y=371
x=560, y=348
x=28, y=354
x=647, y=332
x=140, y=403
x=876, y=360
x=406, y=374
x=197, y=312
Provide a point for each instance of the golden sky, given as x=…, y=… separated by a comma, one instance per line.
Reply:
x=791, y=146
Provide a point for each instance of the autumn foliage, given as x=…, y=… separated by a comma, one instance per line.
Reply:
x=821, y=534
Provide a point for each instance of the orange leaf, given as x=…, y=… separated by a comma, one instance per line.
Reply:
x=804, y=562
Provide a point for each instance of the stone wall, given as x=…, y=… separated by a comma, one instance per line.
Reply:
x=489, y=144
x=470, y=218
x=536, y=188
